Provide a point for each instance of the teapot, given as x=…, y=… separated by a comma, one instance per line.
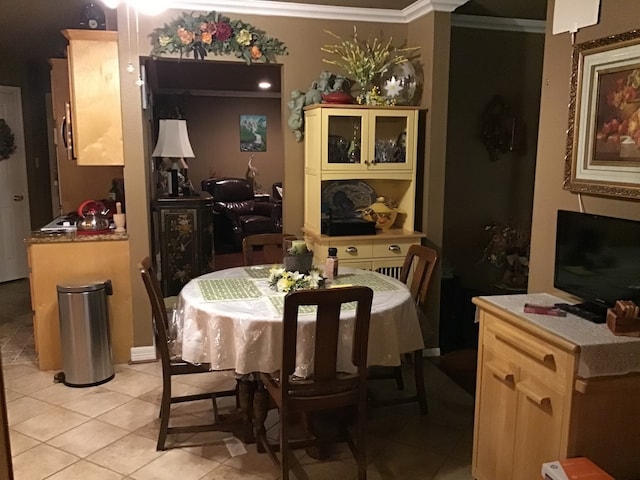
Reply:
x=93, y=218
x=380, y=213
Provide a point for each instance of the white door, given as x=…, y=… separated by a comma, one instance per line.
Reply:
x=14, y=196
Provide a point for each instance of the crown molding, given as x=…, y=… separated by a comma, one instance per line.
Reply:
x=325, y=12
x=521, y=25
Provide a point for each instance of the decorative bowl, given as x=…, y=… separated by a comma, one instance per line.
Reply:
x=380, y=213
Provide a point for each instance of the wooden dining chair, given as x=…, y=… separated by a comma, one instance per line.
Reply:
x=269, y=243
x=417, y=270
x=173, y=366
x=327, y=388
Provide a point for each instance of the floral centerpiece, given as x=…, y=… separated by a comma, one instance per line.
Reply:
x=297, y=271
x=215, y=34
x=508, y=248
x=364, y=60
x=286, y=281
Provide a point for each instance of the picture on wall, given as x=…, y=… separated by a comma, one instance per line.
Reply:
x=603, y=137
x=253, y=133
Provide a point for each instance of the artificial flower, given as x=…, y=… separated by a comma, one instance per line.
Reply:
x=244, y=37
x=213, y=33
x=223, y=31
x=255, y=52
x=285, y=281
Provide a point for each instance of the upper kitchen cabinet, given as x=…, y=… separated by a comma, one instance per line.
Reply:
x=95, y=135
x=366, y=142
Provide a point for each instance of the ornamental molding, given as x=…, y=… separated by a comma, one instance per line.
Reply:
x=521, y=25
x=325, y=12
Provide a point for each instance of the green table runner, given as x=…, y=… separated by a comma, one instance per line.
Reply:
x=228, y=289
x=371, y=280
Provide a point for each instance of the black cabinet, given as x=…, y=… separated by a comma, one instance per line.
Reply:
x=182, y=240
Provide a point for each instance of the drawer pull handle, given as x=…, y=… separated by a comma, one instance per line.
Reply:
x=535, y=397
x=531, y=349
x=394, y=248
x=501, y=373
x=351, y=250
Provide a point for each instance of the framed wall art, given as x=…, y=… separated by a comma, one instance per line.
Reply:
x=253, y=133
x=603, y=137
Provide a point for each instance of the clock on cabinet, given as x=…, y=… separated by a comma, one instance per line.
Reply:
x=92, y=17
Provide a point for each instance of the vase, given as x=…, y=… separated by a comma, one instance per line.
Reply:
x=402, y=84
x=298, y=263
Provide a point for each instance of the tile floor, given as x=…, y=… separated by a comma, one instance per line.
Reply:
x=109, y=431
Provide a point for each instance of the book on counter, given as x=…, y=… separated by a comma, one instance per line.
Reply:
x=580, y=468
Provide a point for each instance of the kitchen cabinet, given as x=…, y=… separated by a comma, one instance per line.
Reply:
x=55, y=259
x=75, y=183
x=94, y=133
x=374, y=148
x=183, y=240
x=533, y=407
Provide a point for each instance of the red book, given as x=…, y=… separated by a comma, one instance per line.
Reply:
x=580, y=468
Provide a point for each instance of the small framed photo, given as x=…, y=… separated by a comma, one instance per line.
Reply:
x=603, y=137
x=253, y=133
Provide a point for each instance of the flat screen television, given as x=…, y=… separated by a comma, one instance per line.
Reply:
x=598, y=260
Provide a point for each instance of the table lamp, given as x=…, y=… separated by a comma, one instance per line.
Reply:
x=173, y=143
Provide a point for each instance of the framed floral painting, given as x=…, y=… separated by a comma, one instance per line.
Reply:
x=603, y=138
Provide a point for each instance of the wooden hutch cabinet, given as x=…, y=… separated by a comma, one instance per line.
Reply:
x=361, y=152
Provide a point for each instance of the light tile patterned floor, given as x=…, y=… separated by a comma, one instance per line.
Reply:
x=109, y=431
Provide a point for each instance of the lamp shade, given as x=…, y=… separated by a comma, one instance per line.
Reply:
x=173, y=140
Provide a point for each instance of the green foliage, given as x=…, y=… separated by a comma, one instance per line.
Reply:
x=215, y=34
x=7, y=140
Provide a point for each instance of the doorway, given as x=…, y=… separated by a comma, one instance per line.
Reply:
x=14, y=196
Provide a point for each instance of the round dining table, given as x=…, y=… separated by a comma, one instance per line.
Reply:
x=232, y=319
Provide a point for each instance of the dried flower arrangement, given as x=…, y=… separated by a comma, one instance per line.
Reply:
x=216, y=34
x=508, y=247
x=363, y=60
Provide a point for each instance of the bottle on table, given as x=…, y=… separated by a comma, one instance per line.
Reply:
x=331, y=264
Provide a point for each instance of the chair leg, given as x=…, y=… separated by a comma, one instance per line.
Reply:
x=361, y=458
x=397, y=371
x=284, y=444
x=165, y=411
x=419, y=375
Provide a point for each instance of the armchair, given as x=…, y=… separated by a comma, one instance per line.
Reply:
x=237, y=213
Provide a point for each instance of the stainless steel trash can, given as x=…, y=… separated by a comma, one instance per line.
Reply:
x=84, y=333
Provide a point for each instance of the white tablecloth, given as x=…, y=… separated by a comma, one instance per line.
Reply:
x=246, y=334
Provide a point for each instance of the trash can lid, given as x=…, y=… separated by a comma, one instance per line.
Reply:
x=79, y=286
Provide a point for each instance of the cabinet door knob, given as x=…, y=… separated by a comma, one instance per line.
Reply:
x=18, y=198
x=351, y=250
x=394, y=248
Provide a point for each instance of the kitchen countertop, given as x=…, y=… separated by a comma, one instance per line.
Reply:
x=53, y=237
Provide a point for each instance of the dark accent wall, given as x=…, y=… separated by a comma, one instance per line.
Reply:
x=479, y=190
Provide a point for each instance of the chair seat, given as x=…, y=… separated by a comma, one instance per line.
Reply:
x=307, y=387
x=253, y=224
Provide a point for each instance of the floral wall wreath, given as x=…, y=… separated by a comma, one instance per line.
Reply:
x=215, y=34
x=7, y=140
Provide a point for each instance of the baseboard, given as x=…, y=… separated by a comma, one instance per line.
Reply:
x=143, y=354
x=431, y=352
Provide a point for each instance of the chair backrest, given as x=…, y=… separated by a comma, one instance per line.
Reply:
x=158, y=310
x=271, y=243
x=225, y=190
x=423, y=260
x=328, y=302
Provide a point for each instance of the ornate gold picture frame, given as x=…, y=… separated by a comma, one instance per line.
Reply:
x=603, y=137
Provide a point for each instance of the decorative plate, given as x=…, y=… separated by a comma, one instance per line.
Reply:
x=344, y=197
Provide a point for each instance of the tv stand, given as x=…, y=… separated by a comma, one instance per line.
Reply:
x=589, y=311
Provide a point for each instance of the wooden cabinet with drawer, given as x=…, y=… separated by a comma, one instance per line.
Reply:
x=532, y=407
